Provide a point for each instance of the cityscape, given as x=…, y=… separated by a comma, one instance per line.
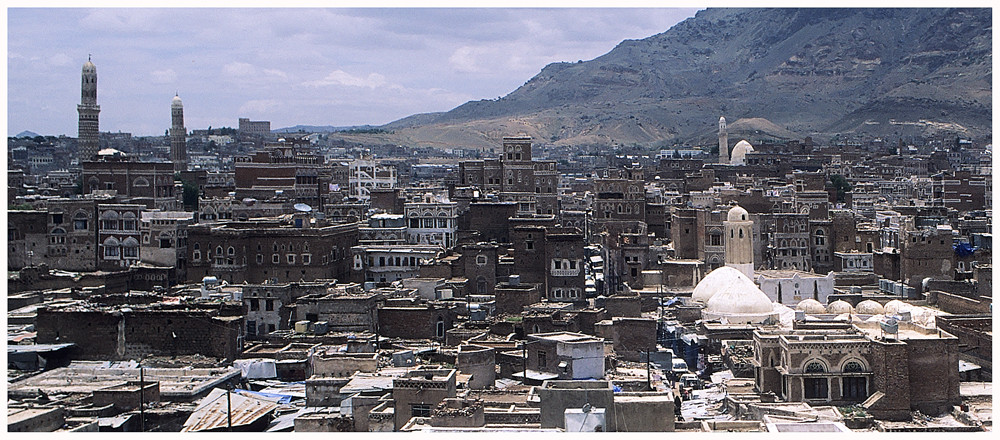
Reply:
x=749, y=220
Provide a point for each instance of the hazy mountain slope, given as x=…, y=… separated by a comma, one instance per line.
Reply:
x=804, y=71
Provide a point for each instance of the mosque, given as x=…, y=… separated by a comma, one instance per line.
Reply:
x=739, y=153
x=728, y=293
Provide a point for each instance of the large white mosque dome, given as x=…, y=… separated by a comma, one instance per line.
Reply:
x=719, y=279
x=739, y=154
x=735, y=299
x=730, y=296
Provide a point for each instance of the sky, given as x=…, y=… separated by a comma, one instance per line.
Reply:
x=291, y=66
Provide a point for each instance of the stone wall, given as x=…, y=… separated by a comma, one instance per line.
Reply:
x=102, y=335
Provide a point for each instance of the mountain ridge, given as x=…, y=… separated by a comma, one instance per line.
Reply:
x=808, y=72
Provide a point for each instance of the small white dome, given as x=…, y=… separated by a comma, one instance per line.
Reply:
x=89, y=67
x=894, y=307
x=869, y=307
x=811, y=307
x=176, y=102
x=738, y=214
x=839, y=307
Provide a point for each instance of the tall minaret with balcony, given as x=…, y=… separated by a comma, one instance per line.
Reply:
x=723, y=141
x=178, y=135
x=87, y=140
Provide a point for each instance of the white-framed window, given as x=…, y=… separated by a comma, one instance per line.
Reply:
x=306, y=258
x=275, y=259
x=290, y=258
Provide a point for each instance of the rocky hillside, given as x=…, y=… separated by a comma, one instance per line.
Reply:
x=778, y=73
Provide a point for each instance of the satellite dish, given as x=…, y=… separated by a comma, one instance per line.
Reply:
x=302, y=207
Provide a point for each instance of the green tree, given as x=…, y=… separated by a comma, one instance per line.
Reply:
x=189, y=196
x=842, y=185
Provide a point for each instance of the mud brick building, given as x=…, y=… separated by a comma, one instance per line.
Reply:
x=429, y=321
x=551, y=257
x=914, y=369
x=271, y=307
x=26, y=232
x=344, y=310
x=146, y=183
x=420, y=391
x=116, y=333
x=278, y=250
x=118, y=235
x=284, y=168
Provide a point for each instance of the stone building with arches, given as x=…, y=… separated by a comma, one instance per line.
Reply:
x=118, y=235
x=859, y=364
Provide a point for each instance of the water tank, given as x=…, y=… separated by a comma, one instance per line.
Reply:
x=302, y=327
x=514, y=280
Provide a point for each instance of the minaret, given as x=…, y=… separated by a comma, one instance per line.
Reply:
x=178, y=135
x=87, y=139
x=739, y=241
x=723, y=141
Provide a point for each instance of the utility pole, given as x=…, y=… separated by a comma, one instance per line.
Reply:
x=142, y=399
x=649, y=382
x=229, y=408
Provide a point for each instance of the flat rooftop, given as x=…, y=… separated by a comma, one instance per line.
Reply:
x=85, y=377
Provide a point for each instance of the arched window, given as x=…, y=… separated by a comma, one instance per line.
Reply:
x=231, y=251
x=854, y=367
x=815, y=367
x=80, y=221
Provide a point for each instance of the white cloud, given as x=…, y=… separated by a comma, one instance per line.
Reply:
x=237, y=68
x=341, y=78
x=465, y=59
x=275, y=72
x=163, y=76
x=259, y=106
x=60, y=59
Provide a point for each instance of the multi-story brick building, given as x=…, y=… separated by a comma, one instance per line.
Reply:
x=276, y=250
x=913, y=369
x=118, y=235
x=430, y=221
x=147, y=183
x=552, y=257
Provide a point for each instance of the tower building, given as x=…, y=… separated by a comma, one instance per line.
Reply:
x=178, y=135
x=723, y=141
x=87, y=139
x=739, y=244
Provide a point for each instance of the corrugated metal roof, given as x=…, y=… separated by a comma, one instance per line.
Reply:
x=212, y=411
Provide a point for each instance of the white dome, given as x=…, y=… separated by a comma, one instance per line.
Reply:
x=839, y=307
x=89, y=67
x=739, y=155
x=869, y=307
x=740, y=297
x=738, y=214
x=894, y=307
x=717, y=280
x=811, y=306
